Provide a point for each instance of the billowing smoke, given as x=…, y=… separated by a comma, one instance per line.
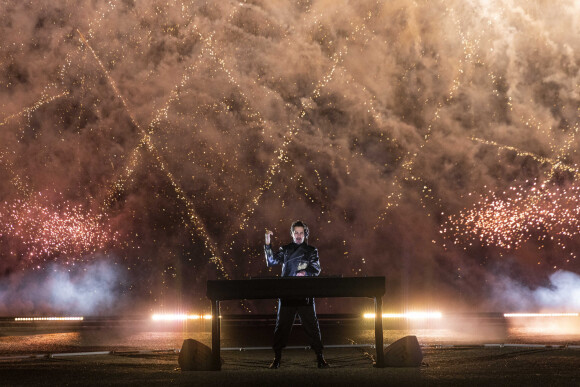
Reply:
x=88, y=290
x=560, y=294
x=187, y=128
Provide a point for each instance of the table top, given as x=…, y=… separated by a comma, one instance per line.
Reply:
x=285, y=287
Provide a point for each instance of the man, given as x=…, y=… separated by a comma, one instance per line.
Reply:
x=298, y=259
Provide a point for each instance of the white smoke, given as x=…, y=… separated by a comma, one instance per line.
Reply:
x=562, y=294
x=84, y=290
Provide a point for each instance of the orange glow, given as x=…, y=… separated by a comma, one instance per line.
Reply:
x=409, y=315
x=512, y=315
x=180, y=317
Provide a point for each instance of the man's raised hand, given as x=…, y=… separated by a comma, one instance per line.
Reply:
x=268, y=234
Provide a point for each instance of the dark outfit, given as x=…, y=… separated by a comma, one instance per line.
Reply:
x=295, y=258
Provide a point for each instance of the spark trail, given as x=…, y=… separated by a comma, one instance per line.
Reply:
x=148, y=144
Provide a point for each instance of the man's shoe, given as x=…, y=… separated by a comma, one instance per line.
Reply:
x=321, y=362
x=275, y=364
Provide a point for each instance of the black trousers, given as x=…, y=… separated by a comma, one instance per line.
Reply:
x=287, y=310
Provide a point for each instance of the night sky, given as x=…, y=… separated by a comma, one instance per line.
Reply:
x=146, y=146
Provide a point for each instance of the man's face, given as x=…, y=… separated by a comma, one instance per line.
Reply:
x=298, y=234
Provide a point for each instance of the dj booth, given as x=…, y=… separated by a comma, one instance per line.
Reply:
x=295, y=287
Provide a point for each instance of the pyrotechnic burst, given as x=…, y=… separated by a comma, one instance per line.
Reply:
x=543, y=212
x=49, y=232
x=197, y=124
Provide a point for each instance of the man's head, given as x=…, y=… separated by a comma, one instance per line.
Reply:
x=299, y=231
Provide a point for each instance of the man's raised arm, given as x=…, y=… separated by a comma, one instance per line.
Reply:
x=271, y=258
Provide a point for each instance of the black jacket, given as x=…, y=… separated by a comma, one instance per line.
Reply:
x=294, y=258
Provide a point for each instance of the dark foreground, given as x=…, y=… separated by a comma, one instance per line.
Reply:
x=350, y=367
x=139, y=353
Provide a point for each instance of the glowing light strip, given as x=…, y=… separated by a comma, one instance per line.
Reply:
x=515, y=315
x=49, y=318
x=410, y=315
x=180, y=317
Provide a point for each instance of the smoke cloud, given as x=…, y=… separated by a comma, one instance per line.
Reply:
x=90, y=290
x=190, y=127
x=559, y=295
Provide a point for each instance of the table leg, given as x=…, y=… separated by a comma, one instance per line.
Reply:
x=379, y=332
x=215, y=335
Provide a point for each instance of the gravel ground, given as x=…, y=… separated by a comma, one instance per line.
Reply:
x=136, y=355
x=472, y=366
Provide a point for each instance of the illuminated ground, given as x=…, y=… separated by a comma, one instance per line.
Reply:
x=140, y=352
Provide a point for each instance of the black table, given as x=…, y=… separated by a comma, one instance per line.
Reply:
x=288, y=287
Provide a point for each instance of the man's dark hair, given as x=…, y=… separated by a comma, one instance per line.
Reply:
x=300, y=223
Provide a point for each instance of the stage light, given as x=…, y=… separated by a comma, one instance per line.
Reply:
x=48, y=318
x=175, y=317
x=180, y=317
x=516, y=315
x=409, y=315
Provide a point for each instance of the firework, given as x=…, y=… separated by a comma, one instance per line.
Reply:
x=544, y=212
x=49, y=232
